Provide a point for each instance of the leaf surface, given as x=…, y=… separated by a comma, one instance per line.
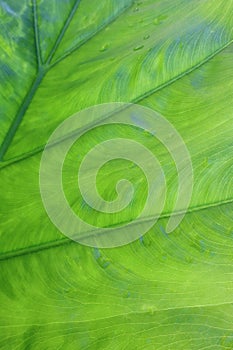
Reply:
x=162, y=291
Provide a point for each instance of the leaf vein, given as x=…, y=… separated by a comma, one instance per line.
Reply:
x=62, y=32
x=63, y=241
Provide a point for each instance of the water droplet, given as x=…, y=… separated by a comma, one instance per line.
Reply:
x=146, y=37
x=104, y=47
x=159, y=19
x=139, y=47
x=136, y=9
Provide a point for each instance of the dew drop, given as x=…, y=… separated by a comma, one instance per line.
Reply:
x=104, y=48
x=139, y=47
x=159, y=19
x=146, y=37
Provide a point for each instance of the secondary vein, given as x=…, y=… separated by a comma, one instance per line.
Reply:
x=62, y=32
x=36, y=34
x=63, y=241
x=39, y=149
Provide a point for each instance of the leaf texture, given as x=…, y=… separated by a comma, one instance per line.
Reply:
x=162, y=291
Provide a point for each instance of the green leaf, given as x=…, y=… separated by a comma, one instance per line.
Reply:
x=160, y=292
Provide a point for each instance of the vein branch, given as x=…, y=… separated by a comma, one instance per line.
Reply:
x=36, y=33
x=65, y=241
x=42, y=69
x=62, y=32
x=19, y=116
x=80, y=44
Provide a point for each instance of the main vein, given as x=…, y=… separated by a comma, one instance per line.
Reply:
x=43, y=68
x=41, y=71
